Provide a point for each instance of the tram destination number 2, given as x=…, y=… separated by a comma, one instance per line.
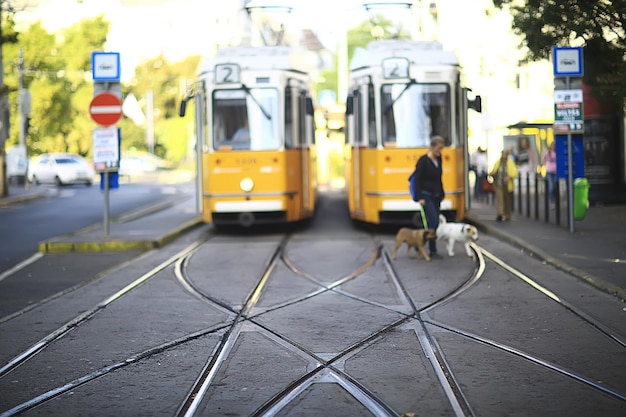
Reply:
x=227, y=74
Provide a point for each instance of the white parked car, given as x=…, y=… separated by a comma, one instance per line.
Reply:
x=60, y=169
x=141, y=163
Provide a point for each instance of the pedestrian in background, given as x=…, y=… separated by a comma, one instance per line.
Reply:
x=524, y=158
x=429, y=188
x=503, y=172
x=478, y=164
x=549, y=161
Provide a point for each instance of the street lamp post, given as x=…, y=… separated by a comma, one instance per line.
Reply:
x=4, y=122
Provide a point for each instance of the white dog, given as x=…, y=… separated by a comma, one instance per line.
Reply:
x=461, y=232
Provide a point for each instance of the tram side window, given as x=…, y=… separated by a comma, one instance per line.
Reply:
x=288, y=119
x=459, y=116
x=301, y=119
x=358, y=119
x=246, y=121
x=412, y=114
x=371, y=118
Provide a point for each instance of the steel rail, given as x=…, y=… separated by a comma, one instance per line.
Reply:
x=602, y=328
x=74, y=287
x=195, y=397
x=56, y=392
x=531, y=358
x=450, y=385
x=87, y=315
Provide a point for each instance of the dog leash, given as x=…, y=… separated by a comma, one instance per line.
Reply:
x=424, y=222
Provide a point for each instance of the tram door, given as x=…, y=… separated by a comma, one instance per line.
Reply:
x=358, y=147
x=202, y=180
x=303, y=137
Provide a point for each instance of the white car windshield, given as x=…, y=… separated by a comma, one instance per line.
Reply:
x=65, y=161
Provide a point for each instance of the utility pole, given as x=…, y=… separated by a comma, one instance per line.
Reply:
x=150, y=121
x=21, y=99
x=4, y=122
x=24, y=108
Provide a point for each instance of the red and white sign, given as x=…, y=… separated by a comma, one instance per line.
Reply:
x=106, y=109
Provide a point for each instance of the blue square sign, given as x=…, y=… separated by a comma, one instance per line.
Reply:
x=105, y=66
x=567, y=61
x=578, y=156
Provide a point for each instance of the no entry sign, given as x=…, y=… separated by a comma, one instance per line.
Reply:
x=106, y=109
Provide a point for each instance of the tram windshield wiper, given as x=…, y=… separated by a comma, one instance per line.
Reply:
x=406, y=87
x=249, y=93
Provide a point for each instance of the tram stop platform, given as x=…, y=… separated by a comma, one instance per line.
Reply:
x=149, y=228
x=595, y=252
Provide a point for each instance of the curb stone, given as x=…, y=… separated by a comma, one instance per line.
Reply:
x=8, y=201
x=118, y=245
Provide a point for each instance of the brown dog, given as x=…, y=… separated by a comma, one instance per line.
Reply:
x=414, y=238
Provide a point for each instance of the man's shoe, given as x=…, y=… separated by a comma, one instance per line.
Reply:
x=499, y=219
x=435, y=256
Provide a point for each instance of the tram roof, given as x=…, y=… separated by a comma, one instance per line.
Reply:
x=418, y=52
x=256, y=58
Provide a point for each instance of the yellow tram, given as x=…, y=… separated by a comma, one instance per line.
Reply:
x=255, y=118
x=402, y=93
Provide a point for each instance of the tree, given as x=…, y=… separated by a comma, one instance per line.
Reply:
x=599, y=26
x=165, y=79
x=56, y=72
x=360, y=36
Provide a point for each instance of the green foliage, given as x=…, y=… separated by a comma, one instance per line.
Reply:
x=57, y=72
x=359, y=37
x=56, y=75
x=166, y=80
x=598, y=25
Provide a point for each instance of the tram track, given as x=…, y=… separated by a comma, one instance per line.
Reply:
x=452, y=389
x=531, y=358
x=321, y=369
x=325, y=369
x=195, y=397
x=99, y=373
x=483, y=255
x=73, y=288
x=596, y=324
x=72, y=324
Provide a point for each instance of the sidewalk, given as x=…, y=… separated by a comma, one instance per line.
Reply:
x=148, y=231
x=20, y=194
x=595, y=252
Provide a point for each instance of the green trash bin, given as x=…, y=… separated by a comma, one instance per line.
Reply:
x=581, y=198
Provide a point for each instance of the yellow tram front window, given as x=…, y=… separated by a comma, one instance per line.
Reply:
x=413, y=113
x=245, y=120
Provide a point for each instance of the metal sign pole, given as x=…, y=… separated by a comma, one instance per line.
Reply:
x=106, y=204
x=568, y=62
x=570, y=174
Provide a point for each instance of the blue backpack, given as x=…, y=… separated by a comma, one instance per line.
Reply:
x=412, y=187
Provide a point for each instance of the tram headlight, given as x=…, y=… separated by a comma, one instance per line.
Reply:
x=246, y=185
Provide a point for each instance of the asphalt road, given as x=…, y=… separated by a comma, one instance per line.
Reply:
x=23, y=226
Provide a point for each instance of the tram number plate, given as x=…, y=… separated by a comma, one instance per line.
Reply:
x=246, y=161
x=227, y=73
x=395, y=68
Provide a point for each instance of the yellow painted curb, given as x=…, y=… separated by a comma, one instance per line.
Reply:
x=60, y=246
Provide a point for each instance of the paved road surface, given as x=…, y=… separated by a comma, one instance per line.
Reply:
x=23, y=226
x=319, y=322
